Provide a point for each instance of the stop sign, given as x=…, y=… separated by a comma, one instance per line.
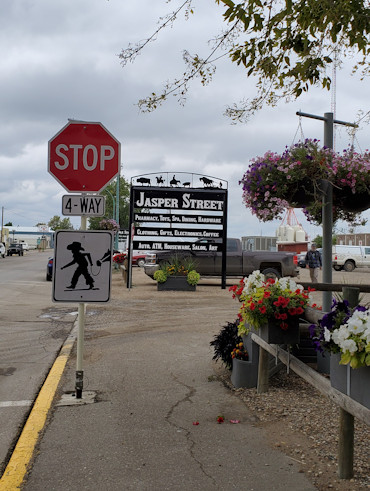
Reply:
x=84, y=157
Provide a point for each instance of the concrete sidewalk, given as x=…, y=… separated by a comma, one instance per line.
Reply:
x=147, y=356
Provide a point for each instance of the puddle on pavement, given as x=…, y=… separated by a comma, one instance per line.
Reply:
x=58, y=314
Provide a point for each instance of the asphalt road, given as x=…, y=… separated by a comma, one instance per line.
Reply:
x=32, y=330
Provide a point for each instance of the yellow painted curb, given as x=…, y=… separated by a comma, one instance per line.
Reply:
x=17, y=467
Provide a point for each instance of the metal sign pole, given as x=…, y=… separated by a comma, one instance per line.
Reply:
x=80, y=337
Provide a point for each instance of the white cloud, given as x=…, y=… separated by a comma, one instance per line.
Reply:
x=59, y=60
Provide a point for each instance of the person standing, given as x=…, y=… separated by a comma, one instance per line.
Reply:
x=314, y=263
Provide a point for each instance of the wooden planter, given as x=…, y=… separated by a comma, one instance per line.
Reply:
x=354, y=382
x=176, y=283
x=273, y=334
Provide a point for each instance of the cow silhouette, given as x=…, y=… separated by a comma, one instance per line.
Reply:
x=143, y=180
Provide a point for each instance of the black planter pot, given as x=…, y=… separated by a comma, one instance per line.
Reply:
x=176, y=283
x=272, y=332
x=353, y=382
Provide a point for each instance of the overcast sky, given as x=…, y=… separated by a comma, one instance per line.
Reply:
x=59, y=60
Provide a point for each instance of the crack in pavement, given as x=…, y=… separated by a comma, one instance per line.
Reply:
x=187, y=398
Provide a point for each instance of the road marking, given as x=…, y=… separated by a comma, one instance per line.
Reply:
x=15, y=403
x=19, y=462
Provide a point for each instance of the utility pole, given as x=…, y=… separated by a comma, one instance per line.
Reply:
x=2, y=224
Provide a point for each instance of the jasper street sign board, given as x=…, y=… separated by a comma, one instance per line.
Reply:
x=82, y=266
x=85, y=205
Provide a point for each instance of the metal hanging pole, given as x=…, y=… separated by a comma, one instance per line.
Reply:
x=327, y=206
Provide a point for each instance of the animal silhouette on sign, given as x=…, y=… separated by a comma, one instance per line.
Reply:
x=82, y=259
x=106, y=257
x=160, y=180
x=207, y=182
x=143, y=180
x=186, y=184
x=174, y=181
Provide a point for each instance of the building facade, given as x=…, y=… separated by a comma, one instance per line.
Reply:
x=354, y=239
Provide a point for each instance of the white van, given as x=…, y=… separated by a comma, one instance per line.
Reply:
x=350, y=257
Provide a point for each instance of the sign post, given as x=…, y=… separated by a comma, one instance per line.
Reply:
x=84, y=157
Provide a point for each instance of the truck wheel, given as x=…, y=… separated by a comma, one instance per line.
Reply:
x=349, y=266
x=271, y=273
x=337, y=268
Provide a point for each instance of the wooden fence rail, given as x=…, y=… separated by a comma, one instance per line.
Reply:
x=320, y=383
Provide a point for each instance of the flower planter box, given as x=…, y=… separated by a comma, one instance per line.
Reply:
x=176, y=283
x=273, y=334
x=353, y=382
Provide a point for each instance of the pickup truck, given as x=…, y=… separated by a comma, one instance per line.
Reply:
x=15, y=249
x=350, y=257
x=238, y=262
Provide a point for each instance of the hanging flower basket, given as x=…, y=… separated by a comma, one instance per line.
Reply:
x=352, y=202
x=296, y=179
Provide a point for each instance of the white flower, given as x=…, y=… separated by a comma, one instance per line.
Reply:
x=340, y=335
x=349, y=345
x=327, y=334
x=355, y=325
x=254, y=280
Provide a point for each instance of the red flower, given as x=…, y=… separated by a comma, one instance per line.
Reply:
x=252, y=306
x=267, y=294
x=292, y=311
x=263, y=309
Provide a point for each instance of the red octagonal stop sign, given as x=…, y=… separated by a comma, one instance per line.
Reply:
x=84, y=157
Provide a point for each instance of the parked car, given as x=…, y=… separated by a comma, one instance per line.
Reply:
x=350, y=257
x=239, y=263
x=2, y=250
x=49, y=269
x=25, y=246
x=138, y=260
x=301, y=259
x=15, y=249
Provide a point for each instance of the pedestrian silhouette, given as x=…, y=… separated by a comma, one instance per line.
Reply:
x=82, y=259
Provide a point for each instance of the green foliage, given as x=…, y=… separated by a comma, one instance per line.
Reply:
x=288, y=46
x=160, y=276
x=57, y=223
x=193, y=278
x=224, y=343
x=178, y=266
x=124, y=204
